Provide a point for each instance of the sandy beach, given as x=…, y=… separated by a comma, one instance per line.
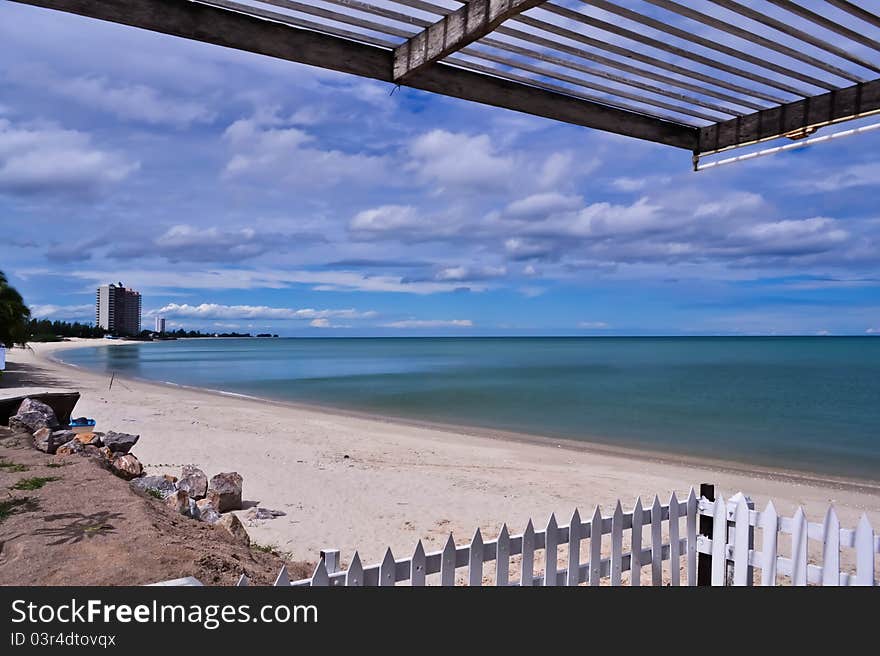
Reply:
x=353, y=482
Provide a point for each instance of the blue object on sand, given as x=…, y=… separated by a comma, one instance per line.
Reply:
x=82, y=422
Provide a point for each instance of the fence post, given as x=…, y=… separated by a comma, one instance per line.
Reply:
x=704, y=561
x=330, y=557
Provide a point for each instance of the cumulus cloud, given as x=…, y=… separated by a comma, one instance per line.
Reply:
x=430, y=323
x=45, y=158
x=593, y=325
x=269, y=149
x=217, y=311
x=460, y=160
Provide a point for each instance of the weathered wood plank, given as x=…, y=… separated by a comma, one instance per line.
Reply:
x=453, y=32
x=818, y=111
x=241, y=31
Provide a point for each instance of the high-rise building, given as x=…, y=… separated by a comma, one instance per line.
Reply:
x=118, y=309
x=160, y=324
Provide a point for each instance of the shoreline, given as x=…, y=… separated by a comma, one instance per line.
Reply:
x=349, y=481
x=646, y=454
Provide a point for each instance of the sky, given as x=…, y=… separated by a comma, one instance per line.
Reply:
x=238, y=192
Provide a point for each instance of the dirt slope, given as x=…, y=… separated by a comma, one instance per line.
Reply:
x=88, y=528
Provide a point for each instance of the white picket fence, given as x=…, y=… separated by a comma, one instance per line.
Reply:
x=732, y=546
x=734, y=557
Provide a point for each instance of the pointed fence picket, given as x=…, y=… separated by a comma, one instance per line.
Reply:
x=472, y=558
x=732, y=545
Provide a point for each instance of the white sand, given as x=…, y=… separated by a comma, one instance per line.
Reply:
x=401, y=482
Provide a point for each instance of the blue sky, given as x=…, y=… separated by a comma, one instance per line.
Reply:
x=237, y=192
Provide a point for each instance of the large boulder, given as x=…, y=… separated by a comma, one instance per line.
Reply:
x=194, y=481
x=69, y=448
x=94, y=439
x=126, y=466
x=119, y=442
x=157, y=485
x=48, y=440
x=207, y=512
x=225, y=491
x=233, y=526
x=33, y=415
x=178, y=502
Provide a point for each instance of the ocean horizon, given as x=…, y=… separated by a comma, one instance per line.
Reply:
x=809, y=404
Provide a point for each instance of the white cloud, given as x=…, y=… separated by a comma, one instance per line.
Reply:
x=459, y=160
x=430, y=323
x=216, y=311
x=290, y=156
x=593, y=325
x=68, y=312
x=45, y=158
x=135, y=102
x=539, y=205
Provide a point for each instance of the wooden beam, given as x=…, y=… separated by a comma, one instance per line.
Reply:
x=801, y=116
x=451, y=33
x=232, y=29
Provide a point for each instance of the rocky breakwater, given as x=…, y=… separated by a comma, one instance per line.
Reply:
x=190, y=494
x=111, y=449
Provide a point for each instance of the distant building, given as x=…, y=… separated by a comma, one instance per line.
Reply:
x=118, y=309
x=160, y=325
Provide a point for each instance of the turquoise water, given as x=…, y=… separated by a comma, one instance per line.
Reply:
x=799, y=403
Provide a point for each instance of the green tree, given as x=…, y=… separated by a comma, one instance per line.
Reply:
x=14, y=315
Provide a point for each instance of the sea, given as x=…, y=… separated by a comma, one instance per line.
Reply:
x=810, y=404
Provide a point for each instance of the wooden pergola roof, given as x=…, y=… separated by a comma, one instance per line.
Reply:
x=703, y=75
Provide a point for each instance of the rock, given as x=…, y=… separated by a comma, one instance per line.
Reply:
x=178, y=501
x=33, y=415
x=87, y=438
x=192, y=509
x=162, y=485
x=194, y=481
x=225, y=491
x=48, y=441
x=207, y=512
x=93, y=451
x=127, y=467
x=119, y=442
x=232, y=525
x=106, y=453
x=262, y=513
x=210, y=515
x=69, y=448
